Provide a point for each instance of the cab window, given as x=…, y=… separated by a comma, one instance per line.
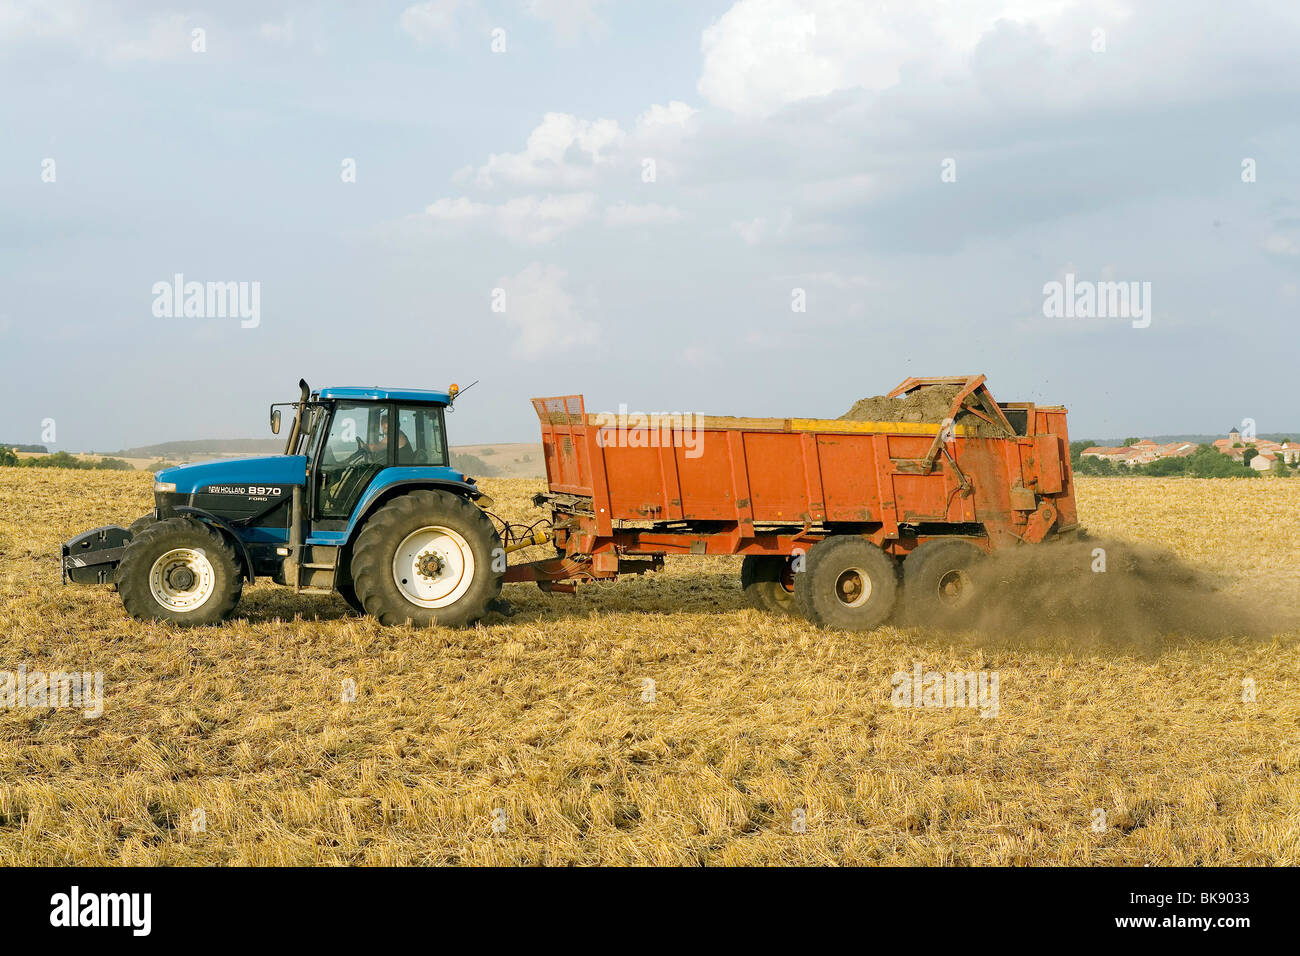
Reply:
x=354, y=450
x=420, y=436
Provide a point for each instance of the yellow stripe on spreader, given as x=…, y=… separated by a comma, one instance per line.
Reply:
x=855, y=428
x=686, y=422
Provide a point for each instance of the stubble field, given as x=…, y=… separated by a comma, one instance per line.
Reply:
x=534, y=739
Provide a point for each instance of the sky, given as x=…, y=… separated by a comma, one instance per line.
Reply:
x=746, y=207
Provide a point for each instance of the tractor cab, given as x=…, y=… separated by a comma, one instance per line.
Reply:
x=347, y=437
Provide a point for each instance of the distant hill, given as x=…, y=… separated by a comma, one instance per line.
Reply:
x=172, y=450
x=503, y=460
x=38, y=449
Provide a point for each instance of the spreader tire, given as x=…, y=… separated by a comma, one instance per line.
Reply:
x=179, y=570
x=847, y=583
x=768, y=583
x=939, y=588
x=427, y=558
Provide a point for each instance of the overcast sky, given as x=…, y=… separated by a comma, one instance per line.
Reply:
x=645, y=188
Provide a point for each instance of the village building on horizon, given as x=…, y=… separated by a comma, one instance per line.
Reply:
x=1145, y=451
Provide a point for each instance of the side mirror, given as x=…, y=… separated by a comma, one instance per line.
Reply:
x=275, y=421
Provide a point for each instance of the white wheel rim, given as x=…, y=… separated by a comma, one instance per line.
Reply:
x=433, y=567
x=175, y=589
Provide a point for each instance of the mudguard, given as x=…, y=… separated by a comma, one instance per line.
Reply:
x=230, y=531
x=397, y=480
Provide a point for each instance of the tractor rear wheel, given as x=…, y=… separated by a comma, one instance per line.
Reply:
x=847, y=583
x=179, y=570
x=427, y=558
x=939, y=586
x=768, y=582
x=349, y=594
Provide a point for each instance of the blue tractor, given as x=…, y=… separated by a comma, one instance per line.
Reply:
x=363, y=502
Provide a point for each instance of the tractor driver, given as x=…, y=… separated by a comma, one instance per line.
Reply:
x=378, y=448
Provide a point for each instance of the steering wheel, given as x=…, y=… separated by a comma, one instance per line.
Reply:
x=357, y=457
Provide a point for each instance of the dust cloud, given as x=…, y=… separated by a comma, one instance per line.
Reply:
x=1108, y=591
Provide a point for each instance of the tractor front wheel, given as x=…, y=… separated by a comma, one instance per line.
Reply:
x=142, y=522
x=179, y=570
x=427, y=558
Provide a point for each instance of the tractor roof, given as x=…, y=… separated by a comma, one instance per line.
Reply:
x=374, y=393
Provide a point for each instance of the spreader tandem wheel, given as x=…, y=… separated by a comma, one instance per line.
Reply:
x=768, y=582
x=939, y=584
x=847, y=583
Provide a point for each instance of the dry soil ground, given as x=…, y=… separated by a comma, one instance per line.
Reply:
x=542, y=724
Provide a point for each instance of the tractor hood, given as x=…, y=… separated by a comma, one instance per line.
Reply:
x=272, y=470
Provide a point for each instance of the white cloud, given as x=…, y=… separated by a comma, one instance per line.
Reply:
x=562, y=151
x=569, y=18
x=440, y=20
x=649, y=214
x=759, y=230
x=98, y=30
x=281, y=33
x=533, y=220
x=166, y=37
x=542, y=313
x=763, y=54
x=854, y=188
x=117, y=32
x=527, y=219
x=1280, y=245
x=457, y=210
x=675, y=118
x=434, y=20
x=567, y=153
x=660, y=133
x=836, y=280
x=50, y=20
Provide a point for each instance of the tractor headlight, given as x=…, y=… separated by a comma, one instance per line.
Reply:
x=164, y=486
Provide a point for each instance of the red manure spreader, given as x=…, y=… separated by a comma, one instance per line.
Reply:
x=842, y=521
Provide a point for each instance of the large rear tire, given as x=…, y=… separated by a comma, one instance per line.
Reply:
x=427, y=558
x=179, y=570
x=847, y=583
x=349, y=594
x=939, y=584
x=768, y=583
